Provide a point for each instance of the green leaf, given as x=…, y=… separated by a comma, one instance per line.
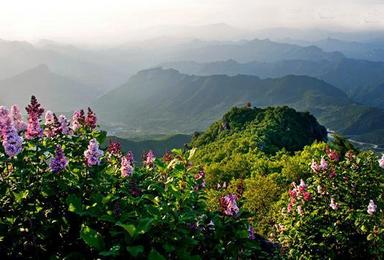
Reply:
x=91, y=237
x=75, y=204
x=130, y=228
x=113, y=251
x=154, y=255
x=20, y=196
x=144, y=225
x=135, y=250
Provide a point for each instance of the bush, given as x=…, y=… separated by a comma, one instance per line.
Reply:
x=338, y=211
x=64, y=197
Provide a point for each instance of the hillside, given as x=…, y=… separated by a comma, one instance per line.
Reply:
x=270, y=129
x=159, y=100
x=350, y=75
x=58, y=92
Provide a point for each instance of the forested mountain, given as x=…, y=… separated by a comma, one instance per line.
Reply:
x=351, y=76
x=159, y=100
x=57, y=92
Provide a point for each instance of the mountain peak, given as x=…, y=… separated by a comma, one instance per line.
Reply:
x=42, y=68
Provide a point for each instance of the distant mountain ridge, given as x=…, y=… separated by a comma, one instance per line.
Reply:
x=358, y=78
x=56, y=92
x=166, y=100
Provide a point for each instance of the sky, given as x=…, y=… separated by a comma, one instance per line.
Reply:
x=119, y=20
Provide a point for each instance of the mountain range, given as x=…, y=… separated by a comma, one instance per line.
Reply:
x=56, y=92
x=164, y=100
x=361, y=80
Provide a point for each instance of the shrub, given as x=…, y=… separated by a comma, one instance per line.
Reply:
x=338, y=211
x=64, y=197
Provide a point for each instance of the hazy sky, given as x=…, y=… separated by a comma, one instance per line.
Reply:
x=89, y=20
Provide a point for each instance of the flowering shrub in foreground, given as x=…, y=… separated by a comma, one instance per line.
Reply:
x=338, y=212
x=64, y=197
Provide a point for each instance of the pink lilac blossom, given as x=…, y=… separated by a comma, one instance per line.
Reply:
x=149, y=158
x=91, y=119
x=49, y=118
x=332, y=154
x=126, y=166
x=78, y=120
x=333, y=204
x=64, y=125
x=319, y=167
x=4, y=113
x=59, y=162
x=114, y=148
x=229, y=205
x=200, y=179
x=34, y=112
x=12, y=142
x=93, y=153
x=381, y=161
x=300, y=210
x=371, y=207
x=17, y=119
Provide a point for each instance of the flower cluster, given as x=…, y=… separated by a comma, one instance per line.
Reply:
x=12, y=142
x=298, y=193
x=228, y=205
x=251, y=232
x=91, y=119
x=371, y=207
x=64, y=125
x=332, y=154
x=78, y=120
x=114, y=148
x=200, y=179
x=59, y=162
x=381, y=162
x=319, y=167
x=93, y=153
x=333, y=204
x=127, y=165
x=52, y=124
x=149, y=158
x=17, y=119
x=34, y=112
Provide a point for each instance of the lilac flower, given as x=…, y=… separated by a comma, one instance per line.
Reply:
x=17, y=119
x=93, y=153
x=49, y=118
x=200, y=179
x=59, y=162
x=64, y=125
x=319, y=167
x=91, y=119
x=34, y=112
x=371, y=207
x=302, y=186
x=78, y=120
x=251, y=232
x=323, y=164
x=300, y=210
x=12, y=142
x=4, y=113
x=381, y=162
x=334, y=205
x=332, y=154
x=229, y=205
x=150, y=158
x=126, y=166
x=315, y=167
x=114, y=148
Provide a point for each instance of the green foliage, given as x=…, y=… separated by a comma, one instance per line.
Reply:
x=93, y=212
x=343, y=228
